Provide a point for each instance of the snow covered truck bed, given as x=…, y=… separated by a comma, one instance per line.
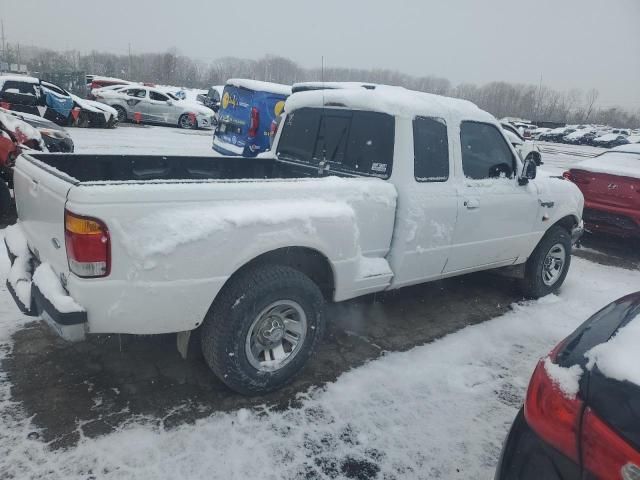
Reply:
x=364, y=190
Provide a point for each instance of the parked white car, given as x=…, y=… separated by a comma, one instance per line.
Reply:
x=525, y=148
x=243, y=254
x=150, y=105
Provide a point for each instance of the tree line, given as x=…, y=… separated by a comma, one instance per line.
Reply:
x=533, y=102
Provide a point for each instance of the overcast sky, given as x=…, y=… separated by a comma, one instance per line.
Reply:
x=571, y=43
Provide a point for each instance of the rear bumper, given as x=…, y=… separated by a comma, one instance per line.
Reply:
x=69, y=325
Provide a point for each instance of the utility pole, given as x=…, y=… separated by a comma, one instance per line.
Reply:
x=4, y=45
x=129, y=72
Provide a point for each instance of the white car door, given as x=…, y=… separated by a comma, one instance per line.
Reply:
x=427, y=205
x=161, y=108
x=138, y=102
x=496, y=215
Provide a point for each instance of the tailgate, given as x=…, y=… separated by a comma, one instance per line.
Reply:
x=234, y=114
x=606, y=189
x=40, y=198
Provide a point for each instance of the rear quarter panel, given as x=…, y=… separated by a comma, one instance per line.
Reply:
x=175, y=245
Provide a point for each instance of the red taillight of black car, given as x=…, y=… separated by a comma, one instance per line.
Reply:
x=575, y=430
x=553, y=415
x=605, y=454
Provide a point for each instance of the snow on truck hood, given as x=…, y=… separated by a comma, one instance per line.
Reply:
x=624, y=163
x=395, y=101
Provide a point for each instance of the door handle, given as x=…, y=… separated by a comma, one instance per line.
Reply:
x=472, y=203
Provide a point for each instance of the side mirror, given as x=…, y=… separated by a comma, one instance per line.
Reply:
x=529, y=170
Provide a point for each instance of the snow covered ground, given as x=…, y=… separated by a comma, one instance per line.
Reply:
x=440, y=410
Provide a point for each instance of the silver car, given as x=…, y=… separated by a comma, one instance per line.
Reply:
x=149, y=105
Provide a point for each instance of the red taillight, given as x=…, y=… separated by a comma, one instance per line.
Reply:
x=568, y=175
x=604, y=452
x=274, y=128
x=255, y=122
x=88, y=245
x=551, y=414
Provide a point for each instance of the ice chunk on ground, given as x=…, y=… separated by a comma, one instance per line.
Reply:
x=619, y=358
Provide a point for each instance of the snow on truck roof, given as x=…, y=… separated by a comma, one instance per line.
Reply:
x=18, y=78
x=259, y=86
x=397, y=101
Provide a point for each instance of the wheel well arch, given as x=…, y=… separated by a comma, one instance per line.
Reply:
x=309, y=261
x=568, y=223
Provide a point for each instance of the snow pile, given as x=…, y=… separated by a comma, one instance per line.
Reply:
x=566, y=379
x=258, y=86
x=179, y=226
x=613, y=163
x=20, y=272
x=619, y=358
x=608, y=137
x=396, y=101
x=49, y=285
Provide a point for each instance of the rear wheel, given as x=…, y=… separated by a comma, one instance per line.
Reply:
x=187, y=121
x=5, y=201
x=548, y=266
x=263, y=328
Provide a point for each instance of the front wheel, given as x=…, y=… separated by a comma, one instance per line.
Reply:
x=548, y=265
x=263, y=328
x=187, y=121
x=122, y=114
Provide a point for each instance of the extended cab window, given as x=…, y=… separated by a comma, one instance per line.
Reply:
x=431, y=150
x=485, y=152
x=349, y=141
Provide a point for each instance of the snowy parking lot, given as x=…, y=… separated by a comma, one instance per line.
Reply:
x=419, y=383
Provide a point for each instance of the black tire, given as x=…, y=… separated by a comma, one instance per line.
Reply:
x=229, y=320
x=533, y=284
x=185, y=122
x=122, y=114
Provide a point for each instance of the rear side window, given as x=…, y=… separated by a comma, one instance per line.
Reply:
x=22, y=88
x=298, y=138
x=157, y=96
x=431, y=150
x=137, y=92
x=485, y=152
x=349, y=141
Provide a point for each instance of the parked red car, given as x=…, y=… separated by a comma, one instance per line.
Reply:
x=15, y=135
x=610, y=184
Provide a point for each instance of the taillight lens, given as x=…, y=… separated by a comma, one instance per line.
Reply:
x=568, y=175
x=88, y=245
x=605, y=454
x=255, y=122
x=551, y=414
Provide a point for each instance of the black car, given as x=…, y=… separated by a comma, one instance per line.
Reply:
x=592, y=432
x=56, y=138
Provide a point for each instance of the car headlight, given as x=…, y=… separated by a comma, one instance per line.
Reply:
x=52, y=133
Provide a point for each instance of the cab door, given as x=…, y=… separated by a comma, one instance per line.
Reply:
x=496, y=215
x=138, y=102
x=427, y=205
x=161, y=108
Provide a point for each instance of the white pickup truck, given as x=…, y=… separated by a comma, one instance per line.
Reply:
x=367, y=189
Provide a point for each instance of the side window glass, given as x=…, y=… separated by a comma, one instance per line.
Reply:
x=431, y=150
x=299, y=133
x=331, y=143
x=370, y=146
x=485, y=152
x=158, y=96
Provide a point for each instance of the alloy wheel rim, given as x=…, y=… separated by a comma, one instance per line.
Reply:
x=276, y=336
x=553, y=264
